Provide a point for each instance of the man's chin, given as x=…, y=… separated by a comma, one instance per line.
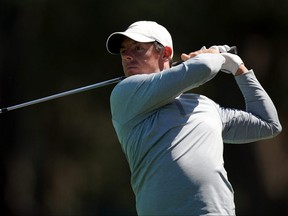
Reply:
x=132, y=72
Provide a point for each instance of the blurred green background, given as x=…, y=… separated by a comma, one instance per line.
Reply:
x=62, y=157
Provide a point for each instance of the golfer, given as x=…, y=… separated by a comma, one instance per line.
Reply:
x=173, y=141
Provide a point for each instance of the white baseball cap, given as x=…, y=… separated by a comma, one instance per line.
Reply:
x=141, y=31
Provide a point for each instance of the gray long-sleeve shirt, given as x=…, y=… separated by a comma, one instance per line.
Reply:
x=174, y=142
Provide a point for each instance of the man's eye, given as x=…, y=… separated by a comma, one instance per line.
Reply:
x=138, y=48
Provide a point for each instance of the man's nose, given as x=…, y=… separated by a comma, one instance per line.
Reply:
x=127, y=56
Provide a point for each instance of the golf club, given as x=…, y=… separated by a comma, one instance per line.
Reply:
x=66, y=93
x=233, y=50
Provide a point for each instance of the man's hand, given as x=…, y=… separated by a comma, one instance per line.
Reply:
x=224, y=49
x=212, y=49
x=233, y=64
x=185, y=56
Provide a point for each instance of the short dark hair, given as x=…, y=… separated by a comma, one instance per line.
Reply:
x=159, y=47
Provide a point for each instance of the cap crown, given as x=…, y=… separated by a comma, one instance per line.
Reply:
x=140, y=31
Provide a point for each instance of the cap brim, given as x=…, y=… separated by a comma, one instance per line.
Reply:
x=114, y=41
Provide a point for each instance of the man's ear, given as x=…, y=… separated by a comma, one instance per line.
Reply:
x=167, y=52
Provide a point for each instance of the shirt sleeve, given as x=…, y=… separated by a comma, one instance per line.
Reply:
x=259, y=121
x=140, y=94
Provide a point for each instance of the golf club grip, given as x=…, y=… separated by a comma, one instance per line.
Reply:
x=232, y=50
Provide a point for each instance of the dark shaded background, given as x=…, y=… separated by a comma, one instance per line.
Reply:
x=62, y=157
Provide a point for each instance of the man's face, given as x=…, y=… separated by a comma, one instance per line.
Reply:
x=140, y=58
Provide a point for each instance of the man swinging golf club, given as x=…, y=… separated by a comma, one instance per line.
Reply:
x=173, y=141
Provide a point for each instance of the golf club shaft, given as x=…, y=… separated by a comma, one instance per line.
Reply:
x=78, y=90
x=66, y=93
